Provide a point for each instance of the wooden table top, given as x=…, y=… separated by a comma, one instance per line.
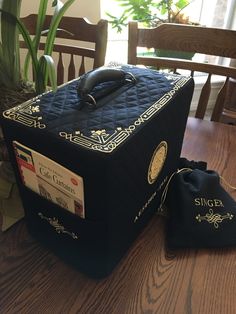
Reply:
x=149, y=279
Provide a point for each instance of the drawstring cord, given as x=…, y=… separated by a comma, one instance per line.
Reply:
x=165, y=191
x=166, y=188
x=227, y=183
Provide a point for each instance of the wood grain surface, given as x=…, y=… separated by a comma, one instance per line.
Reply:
x=149, y=279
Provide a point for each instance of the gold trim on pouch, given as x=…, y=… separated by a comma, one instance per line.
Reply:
x=214, y=218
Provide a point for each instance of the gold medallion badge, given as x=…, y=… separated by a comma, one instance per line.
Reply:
x=157, y=162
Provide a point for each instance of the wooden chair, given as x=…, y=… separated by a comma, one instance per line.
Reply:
x=178, y=37
x=83, y=34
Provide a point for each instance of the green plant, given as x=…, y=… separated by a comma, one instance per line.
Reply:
x=150, y=12
x=9, y=47
x=43, y=66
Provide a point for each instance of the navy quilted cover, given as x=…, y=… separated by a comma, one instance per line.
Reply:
x=119, y=112
x=125, y=150
x=61, y=113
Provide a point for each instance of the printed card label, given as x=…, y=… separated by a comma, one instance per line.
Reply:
x=51, y=180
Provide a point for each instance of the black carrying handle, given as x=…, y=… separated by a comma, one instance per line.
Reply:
x=101, y=75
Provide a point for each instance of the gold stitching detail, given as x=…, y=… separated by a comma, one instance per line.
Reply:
x=214, y=219
x=58, y=227
x=100, y=135
x=157, y=161
x=100, y=140
x=27, y=114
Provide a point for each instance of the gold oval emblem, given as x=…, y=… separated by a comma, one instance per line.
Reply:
x=157, y=162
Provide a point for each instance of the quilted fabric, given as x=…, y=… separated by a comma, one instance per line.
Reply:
x=121, y=111
x=124, y=150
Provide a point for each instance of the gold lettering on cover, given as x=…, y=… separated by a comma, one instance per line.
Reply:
x=59, y=228
x=201, y=201
x=214, y=218
x=140, y=212
x=144, y=207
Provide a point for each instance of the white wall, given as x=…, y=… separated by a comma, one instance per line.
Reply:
x=81, y=8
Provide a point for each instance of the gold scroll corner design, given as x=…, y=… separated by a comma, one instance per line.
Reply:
x=27, y=114
x=98, y=140
x=214, y=218
x=59, y=228
x=106, y=142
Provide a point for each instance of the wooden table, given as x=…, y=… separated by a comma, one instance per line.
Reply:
x=149, y=279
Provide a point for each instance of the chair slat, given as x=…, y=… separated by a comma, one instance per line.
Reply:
x=71, y=68
x=82, y=67
x=187, y=38
x=216, y=114
x=89, y=40
x=203, y=99
x=60, y=70
x=228, y=116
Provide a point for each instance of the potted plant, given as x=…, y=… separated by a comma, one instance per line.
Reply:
x=13, y=76
x=15, y=86
x=151, y=13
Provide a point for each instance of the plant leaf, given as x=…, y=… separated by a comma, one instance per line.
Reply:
x=48, y=70
x=5, y=80
x=54, y=3
x=39, y=27
x=58, y=6
x=10, y=42
x=25, y=35
x=53, y=27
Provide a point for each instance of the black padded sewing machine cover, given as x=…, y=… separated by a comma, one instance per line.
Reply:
x=91, y=176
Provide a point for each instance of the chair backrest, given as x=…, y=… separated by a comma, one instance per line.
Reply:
x=83, y=34
x=188, y=38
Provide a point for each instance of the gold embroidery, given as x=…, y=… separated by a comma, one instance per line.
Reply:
x=35, y=108
x=58, y=227
x=99, y=135
x=140, y=212
x=99, y=140
x=27, y=114
x=157, y=162
x=202, y=201
x=214, y=219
